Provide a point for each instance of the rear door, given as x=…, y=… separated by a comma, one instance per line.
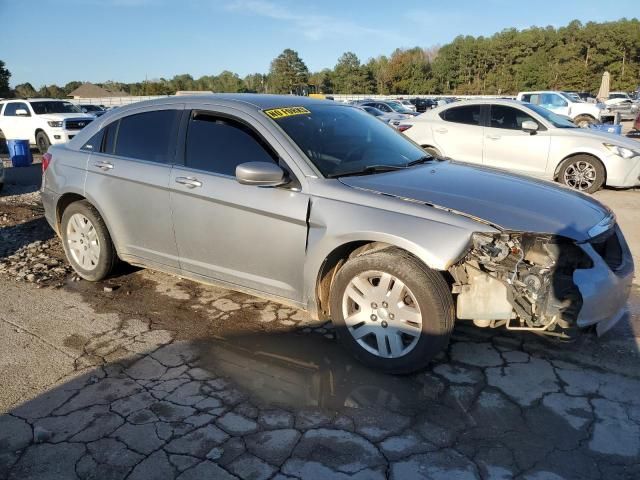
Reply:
x=507, y=146
x=128, y=181
x=253, y=237
x=459, y=133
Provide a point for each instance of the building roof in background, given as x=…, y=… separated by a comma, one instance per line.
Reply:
x=89, y=90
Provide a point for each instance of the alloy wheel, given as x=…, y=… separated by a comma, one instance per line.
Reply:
x=82, y=239
x=580, y=175
x=382, y=314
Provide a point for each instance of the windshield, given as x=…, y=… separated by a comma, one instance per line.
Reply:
x=556, y=120
x=618, y=95
x=91, y=108
x=398, y=107
x=41, y=108
x=342, y=140
x=571, y=98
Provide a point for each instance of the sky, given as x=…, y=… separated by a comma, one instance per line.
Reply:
x=57, y=41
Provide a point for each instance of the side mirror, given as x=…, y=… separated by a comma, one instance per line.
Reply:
x=21, y=112
x=529, y=126
x=262, y=174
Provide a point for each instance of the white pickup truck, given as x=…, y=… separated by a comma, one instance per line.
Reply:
x=582, y=113
x=42, y=121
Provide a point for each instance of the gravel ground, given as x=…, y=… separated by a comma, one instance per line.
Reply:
x=147, y=376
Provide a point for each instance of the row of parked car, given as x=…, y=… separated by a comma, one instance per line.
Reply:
x=538, y=135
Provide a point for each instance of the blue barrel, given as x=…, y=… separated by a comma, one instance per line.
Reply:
x=19, y=153
x=608, y=128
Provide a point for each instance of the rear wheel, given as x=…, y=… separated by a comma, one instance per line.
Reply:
x=583, y=121
x=393, y=313
x=582, y=172
x=87, y=242
x=42, y=140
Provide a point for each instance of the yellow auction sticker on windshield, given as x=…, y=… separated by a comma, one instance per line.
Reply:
x=277, y=113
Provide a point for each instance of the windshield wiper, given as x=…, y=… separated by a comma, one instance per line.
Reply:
x=426, y=158
x=367, y=170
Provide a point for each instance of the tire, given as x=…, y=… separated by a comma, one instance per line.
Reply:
x=75, y=232
x=582, y=172
x=434, y=152
x=583, y=121
x=43, y=143
x=423, y=294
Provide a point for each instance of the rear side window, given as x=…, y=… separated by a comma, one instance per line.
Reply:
x=147, y=136
x=468, y=114
x=95, y=143
x=526, y=97
x=218, y=145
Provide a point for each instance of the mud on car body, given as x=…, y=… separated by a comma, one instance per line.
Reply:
x=322, y=207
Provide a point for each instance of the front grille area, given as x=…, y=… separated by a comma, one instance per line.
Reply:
x=608, y=246
x=77, y=124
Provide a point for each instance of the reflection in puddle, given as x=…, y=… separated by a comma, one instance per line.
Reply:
x=299, y=370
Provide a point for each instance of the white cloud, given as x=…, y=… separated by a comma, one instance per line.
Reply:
x=312, y=25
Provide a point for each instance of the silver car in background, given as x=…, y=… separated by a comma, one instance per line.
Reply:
x=527, y=139
x=321, y=206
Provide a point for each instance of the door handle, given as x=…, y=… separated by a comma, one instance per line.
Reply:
x=189, y=182
x=104, y=165
x=493, y=137
x=441, y=130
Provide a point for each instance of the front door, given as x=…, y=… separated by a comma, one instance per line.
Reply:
x=507, y=146
x=17, y=122
x=249, y=236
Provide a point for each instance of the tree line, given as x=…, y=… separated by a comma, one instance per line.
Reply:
x=572, y=57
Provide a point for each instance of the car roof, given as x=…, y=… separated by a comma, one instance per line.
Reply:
x=483, y=101
x=258, y=101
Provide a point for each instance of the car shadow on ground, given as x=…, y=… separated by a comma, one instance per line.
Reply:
x=195, y=381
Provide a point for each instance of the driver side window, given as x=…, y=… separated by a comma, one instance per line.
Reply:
x=219, y=144
x=508, y=118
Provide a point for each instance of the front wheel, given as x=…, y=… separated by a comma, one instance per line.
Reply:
x=393, y=313
x=584, y=121
x=582, y=172
x=42, y=140
x=434, y=152
x=87, y=242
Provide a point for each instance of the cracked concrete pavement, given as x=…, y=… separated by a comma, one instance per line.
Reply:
x=156, y=377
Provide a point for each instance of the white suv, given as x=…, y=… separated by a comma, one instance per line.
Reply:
x=41, y=121
x=582, y=113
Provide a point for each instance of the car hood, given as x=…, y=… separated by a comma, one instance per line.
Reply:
x=602, y=137
x=63, y=116
x=508, y=201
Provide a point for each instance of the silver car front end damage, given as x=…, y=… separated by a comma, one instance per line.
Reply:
x=544, y=283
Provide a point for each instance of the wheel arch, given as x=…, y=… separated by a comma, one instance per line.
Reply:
x=67, y=199
x=336, y=259
x=561, y=163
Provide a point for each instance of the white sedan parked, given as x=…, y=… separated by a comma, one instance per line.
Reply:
x=527, y=139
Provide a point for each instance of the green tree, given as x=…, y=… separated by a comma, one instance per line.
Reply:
x=24, y=90
x=349, y=76
x=5, y=75
x=288, y=73
x=255, y=83
x=322, y=81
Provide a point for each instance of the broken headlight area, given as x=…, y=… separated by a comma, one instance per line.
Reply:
x=523, y=281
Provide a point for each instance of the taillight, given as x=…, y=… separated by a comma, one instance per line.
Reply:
x=402, y=128
x=46, y=160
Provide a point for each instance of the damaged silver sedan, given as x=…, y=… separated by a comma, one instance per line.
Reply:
x=320, y=206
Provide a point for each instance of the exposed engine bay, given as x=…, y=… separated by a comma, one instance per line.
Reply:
x=523, y=281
